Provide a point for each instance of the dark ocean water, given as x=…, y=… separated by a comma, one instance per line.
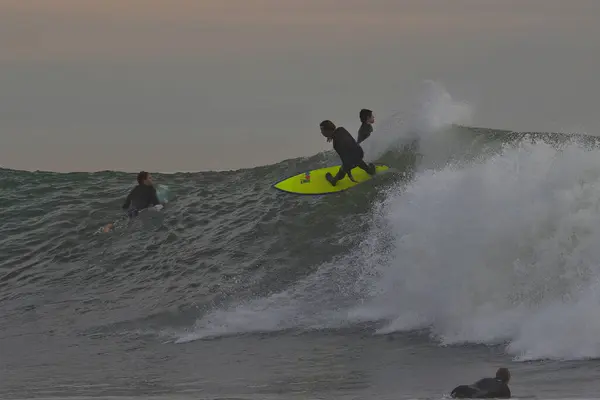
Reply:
x=479, y=251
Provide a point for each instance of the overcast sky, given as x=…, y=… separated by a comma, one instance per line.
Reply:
x=189, y=85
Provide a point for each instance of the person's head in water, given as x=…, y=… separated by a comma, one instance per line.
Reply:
x=503, y=374
x=327, y=128
x=366, y=116
x=144, y=178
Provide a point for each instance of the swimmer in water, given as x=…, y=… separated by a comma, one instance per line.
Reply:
x=141, y=197
x=486, y=388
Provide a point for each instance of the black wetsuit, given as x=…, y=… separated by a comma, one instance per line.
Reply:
x=364, y=132
x=350, y=153
x=142, y=196
x=485, y=388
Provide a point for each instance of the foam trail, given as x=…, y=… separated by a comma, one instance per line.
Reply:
x=308, y=305
x=318, y=301
x=504, y=250
x=437, y=109
x=433, y=111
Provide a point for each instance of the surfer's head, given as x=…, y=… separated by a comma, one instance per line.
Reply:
x=327, y=128
x=366, y=116
x=503, y=375
x=144, y=178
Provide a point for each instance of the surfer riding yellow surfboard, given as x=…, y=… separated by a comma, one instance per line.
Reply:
x=321, y=181
x=349, y=151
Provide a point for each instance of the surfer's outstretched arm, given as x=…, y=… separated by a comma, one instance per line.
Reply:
x=364, y=132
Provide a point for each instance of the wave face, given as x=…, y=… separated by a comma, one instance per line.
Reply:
x=480, y=236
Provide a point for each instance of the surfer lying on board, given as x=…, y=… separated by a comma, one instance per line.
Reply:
x=141, y=197
x=367, y=119
x=486, y=388
x=349, y=151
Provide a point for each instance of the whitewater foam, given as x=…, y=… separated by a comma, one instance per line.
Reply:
x=503, y=250
x=433, y=110
x=500, y=250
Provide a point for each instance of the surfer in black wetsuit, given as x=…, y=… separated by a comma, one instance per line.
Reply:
x=486, y=388
x=349, y=151
x=367, y=118
x=142, y=196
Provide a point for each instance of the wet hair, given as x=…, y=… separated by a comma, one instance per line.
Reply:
x=142, y=176
x=327, y=125
x=503, y=375
x=365, y=114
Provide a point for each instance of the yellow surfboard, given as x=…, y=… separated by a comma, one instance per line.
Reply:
x=314, y=182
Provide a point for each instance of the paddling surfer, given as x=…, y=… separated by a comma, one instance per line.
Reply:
x=141, y=197
x=486, y=388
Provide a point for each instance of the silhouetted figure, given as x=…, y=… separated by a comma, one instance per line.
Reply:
x=486, y=388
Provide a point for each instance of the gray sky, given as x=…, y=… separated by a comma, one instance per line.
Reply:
x=189, y=85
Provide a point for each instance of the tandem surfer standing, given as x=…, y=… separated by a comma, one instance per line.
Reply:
x=367, y=119
x=141, y=197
